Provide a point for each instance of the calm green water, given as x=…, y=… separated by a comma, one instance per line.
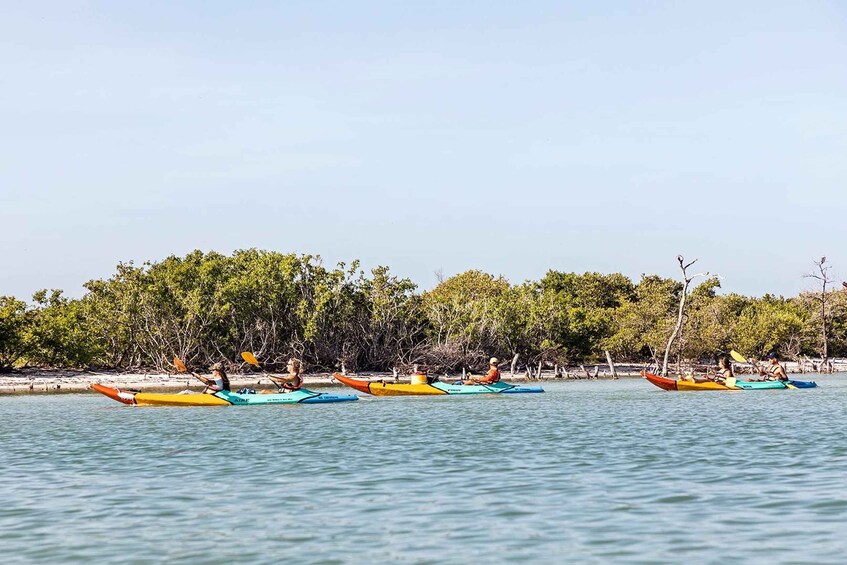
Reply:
x=590, y=472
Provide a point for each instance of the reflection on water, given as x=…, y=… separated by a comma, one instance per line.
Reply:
x=589, y=472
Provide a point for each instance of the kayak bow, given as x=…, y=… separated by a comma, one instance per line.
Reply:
x=379, y=388
x=222, y=398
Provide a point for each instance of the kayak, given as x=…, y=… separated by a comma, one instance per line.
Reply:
x=222, y=398
x=378, y=388
x=673, y=384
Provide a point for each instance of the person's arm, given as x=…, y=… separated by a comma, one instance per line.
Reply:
x=206, y=381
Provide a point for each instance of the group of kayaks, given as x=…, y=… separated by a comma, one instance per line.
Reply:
x=382, y=388
x=305, y=396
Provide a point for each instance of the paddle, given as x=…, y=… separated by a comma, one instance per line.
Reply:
x=250, y=359
x=741, y=359
x=183, y=369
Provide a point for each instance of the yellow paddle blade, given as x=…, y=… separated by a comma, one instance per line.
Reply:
x=738, y=357
x=249, y=358
x=180, y=366
x=729, y=382
x=789, y=385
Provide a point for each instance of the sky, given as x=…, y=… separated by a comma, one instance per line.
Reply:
x=432, y=137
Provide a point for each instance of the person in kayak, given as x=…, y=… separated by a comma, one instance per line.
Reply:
x=218, y=382
x=491, y=377
x=724, y=370
x=294, y=381
x=776, y=372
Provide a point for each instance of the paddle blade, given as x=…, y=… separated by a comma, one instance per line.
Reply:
x=180, y=366
x=249, y=358
x=729, y=382
x=738, y=357
x=789, y=385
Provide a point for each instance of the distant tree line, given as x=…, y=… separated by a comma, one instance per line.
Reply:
x=207, y=307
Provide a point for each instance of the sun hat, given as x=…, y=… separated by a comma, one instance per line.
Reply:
x=493, y=361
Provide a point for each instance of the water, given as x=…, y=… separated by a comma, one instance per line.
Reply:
x=590, y=472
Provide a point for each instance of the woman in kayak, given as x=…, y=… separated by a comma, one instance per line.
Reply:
x=218, y=382
x=293, y=381
x=725, y=370
x=775, y=372
x=491, y=377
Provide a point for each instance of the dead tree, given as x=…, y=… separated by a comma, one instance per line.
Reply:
x=611, y=365
x=822, y=276
x=681, y=316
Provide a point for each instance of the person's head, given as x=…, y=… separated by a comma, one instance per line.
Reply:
x=218, y=370
x=773, y=357
x=493, y=361
x=723, y=362
x=295, y=366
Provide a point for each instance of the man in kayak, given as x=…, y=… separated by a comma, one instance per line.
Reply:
x=218, y=382
x=775, y=372
x=491, y=377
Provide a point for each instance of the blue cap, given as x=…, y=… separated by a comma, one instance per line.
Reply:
x=772, y=355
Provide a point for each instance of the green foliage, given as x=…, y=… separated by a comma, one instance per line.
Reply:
x=207, y=307
x=641, y=326
x=14, y=325
x=58, y=335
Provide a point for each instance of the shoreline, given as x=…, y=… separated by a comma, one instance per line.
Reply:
x=59, y=382
x=34, y=381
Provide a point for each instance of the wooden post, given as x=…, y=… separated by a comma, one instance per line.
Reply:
x=611, y=365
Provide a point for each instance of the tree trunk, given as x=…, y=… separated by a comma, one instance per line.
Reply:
x=681, y=315
x=611, y=365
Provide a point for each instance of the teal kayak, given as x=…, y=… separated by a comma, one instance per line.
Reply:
x=302, y=396
x=764, y=385
x=499, y=387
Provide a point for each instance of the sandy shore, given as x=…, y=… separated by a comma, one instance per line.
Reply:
x=40, y=382
x=70, y=381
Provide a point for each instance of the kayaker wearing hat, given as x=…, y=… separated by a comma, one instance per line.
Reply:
x=491, y=377
x=775, y=372
x=218, y=382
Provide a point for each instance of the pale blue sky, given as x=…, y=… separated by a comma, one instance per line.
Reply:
x=513, y=137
